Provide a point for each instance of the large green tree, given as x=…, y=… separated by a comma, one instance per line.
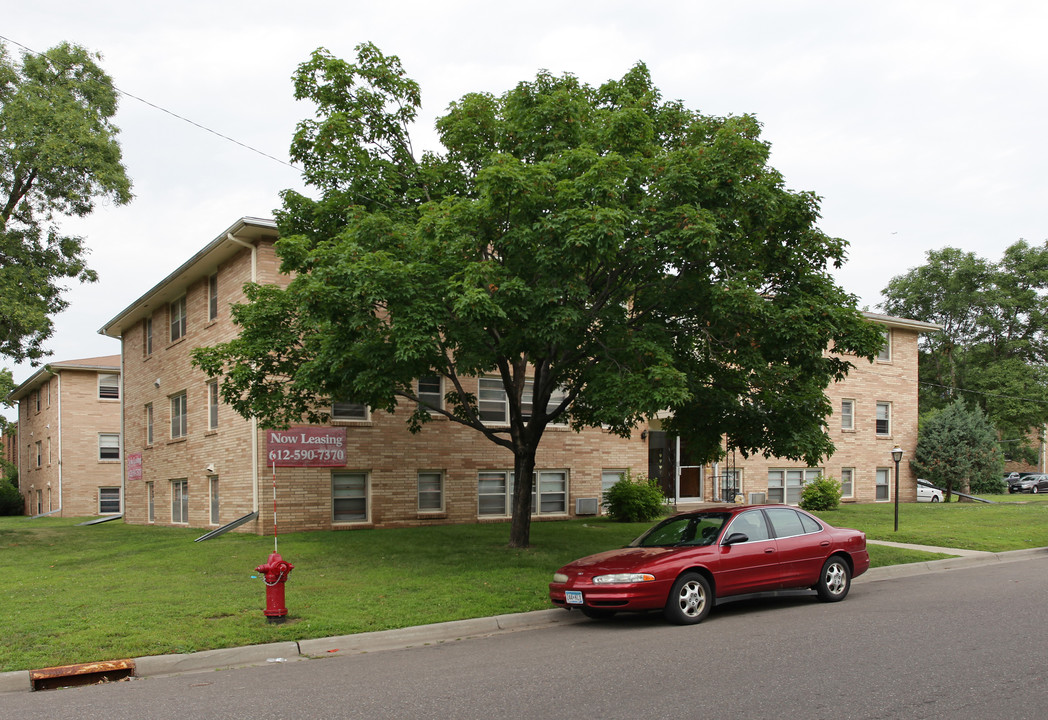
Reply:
x=993, y=347
x=58, y=156
x=957, y=449
x=602, y=253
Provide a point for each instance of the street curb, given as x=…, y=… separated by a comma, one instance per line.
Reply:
x=437, y=633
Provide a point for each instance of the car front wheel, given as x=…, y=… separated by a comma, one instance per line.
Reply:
x=690, y=600
x=1034, y=490
x=835, y=580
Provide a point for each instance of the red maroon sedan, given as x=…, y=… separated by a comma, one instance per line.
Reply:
x=684, y=563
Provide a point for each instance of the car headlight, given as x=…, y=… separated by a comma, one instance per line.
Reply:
x=560, y=578
x=619, y=578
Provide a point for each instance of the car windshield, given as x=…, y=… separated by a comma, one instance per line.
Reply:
x=690, y=530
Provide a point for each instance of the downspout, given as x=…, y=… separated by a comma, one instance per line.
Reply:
x=123, y=434
x=60, y=463
x=254, y=421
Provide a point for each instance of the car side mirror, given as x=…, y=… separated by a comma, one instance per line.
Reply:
x=737, y=537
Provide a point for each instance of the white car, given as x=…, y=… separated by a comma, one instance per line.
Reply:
x=927, y=493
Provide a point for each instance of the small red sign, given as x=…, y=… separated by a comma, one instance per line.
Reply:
x=306, y=447
x=134, y=466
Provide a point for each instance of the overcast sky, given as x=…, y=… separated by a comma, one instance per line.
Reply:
x=918, y=123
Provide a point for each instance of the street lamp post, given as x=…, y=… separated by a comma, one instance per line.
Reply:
x=897, y=457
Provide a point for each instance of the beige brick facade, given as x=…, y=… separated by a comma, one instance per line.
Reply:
x=209, y=469
x=68, y=447
x=231, y=456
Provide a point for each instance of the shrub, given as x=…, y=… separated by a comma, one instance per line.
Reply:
x=634, y=500
x=823, y=493
x=11, y=502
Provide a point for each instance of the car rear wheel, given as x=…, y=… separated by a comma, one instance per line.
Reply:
x=835, y=580
x=935, y=498
x=689, y=601
x=597, y=613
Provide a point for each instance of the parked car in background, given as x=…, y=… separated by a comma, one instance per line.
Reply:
x=926, y=492
x=684, y=563
x=1030, y=484
x=1008, y=477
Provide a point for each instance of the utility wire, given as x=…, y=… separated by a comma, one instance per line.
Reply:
x=980, y=392
x=172, y=114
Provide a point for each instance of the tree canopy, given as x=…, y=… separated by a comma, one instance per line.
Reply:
x=994, y=346
x=957, y=449
x=58, y=156
x=603, y=254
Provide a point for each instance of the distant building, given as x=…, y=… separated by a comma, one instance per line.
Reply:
x=68, y=442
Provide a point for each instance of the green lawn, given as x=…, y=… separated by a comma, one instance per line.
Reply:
x=77, y=594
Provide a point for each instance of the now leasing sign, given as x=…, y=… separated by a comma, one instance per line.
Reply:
x=134, y=466
x=306, y=447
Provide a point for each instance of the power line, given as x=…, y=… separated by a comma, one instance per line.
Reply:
x=173, y=114
x=981, y=392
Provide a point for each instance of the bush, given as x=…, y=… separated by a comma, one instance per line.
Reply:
x=11, y=502
x=823, y=493
x=991, y=485
x=634, y=500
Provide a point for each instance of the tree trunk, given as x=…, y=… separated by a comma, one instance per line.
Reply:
x=523, y=482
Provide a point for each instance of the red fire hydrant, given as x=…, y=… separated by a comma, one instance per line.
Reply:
x=275, y=574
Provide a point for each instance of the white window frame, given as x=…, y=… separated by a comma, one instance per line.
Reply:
x=544, y=491
x=848, y=414
x=180, y=501
x=149, y=423
x=887, y=420
x=212, y=405
x=39, y=453
x=108, y=386
x=179, y=415
x=113, y=494
x=547, y=498
x=885, y=354
x=490, y=492
x=847, y=482
x=350, y=490
x=431, y=398
x=150, y=502
x=147, y=336
x=785, y=485
x=883, y=485
x=493, y=402
x=430, y=491
x=177, y=315
x=108, y=442
x=212, y=296
x=212, y=491
x=346, y=410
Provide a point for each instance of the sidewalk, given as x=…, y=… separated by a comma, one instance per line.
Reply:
x=156, y=665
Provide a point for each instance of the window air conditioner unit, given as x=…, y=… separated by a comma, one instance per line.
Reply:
x=586, y=506
x=758, y=498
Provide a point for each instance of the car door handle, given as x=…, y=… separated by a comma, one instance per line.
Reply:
x=768, y=551
x=824, y=543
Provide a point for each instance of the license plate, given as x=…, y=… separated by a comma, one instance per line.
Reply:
x=573, y=597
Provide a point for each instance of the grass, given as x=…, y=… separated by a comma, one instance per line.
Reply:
x=77, y=594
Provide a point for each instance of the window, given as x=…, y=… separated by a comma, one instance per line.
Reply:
x=149, y=424
x=430, y=491
x=39, y=453
x=884, y=418
x=552, y=489
x=178, y=318
x=108, y=387
x=787, y=522
x=150, y=502
x=752, y=524
x=212, y=405
x=731, y=484
x=179, y=423
x=180, y=501
x=49, y=451
x=36, y=399
x=883, y=487
x=108, y=500
x=429, y=392
x=847, y=414
x=212, y=296
x=785, y=486
x=494, y=404
x=607, y=479
x=349, y=497
x=549, y=496
x=147, y=336
x=109, y=446
x=847, y=482
x=212, y=486
x=349, y=411
x=885, y=355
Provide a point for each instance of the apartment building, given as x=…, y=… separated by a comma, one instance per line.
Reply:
x=874, y=411
x=68, y=442
x=192, y=461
